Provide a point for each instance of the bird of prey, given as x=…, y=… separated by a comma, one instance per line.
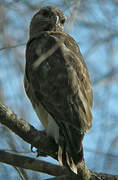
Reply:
x=58, y=85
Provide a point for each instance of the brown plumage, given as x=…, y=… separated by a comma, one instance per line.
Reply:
x=58, y=85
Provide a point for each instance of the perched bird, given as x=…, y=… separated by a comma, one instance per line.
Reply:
x=58, y=85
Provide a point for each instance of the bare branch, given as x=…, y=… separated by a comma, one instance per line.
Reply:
x=28, y=133
x=64, y=177
x=30, y=163
x=12, y=46
x=106, y=79
x=21, y=172
x=47, y=147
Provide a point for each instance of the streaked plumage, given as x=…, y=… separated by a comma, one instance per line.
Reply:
x=58, y=85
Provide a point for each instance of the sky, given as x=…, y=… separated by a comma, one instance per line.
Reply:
x=100, y=144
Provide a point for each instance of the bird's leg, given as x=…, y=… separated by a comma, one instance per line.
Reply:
x=37, y=140
x=45, y=145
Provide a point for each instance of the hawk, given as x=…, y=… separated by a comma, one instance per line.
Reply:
x=58, y=85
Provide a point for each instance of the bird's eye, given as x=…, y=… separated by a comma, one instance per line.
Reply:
x=45, y=13
x=62, y=21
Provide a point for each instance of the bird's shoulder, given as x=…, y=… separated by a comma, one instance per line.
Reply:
x=50, y=38
x=52, y=43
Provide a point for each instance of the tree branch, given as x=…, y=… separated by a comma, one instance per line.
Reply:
x=12, y=46
x=47, y=147
x=33, y=164
x=28, y=133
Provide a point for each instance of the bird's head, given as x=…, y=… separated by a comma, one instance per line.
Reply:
x=47, y=19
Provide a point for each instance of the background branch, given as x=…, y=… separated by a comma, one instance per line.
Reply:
x=12, y=46
x=94, y=26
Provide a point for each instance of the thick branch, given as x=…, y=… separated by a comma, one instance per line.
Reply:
x=28, y=133
x=47, y=146
x=30, y=163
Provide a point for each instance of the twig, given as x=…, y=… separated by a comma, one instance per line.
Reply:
x=12, y=46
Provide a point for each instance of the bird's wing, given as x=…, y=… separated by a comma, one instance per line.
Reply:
x=61, y=83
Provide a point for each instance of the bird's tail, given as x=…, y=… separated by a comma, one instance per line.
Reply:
x=70, y=151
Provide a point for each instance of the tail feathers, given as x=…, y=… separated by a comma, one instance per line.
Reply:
x=65, y=159
x=60, y=156
x=71, y=164
x=70, y=151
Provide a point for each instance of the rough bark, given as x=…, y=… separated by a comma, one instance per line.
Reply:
x=46, y=147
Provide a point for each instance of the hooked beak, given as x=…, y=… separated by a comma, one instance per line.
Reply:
x=57, y=20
